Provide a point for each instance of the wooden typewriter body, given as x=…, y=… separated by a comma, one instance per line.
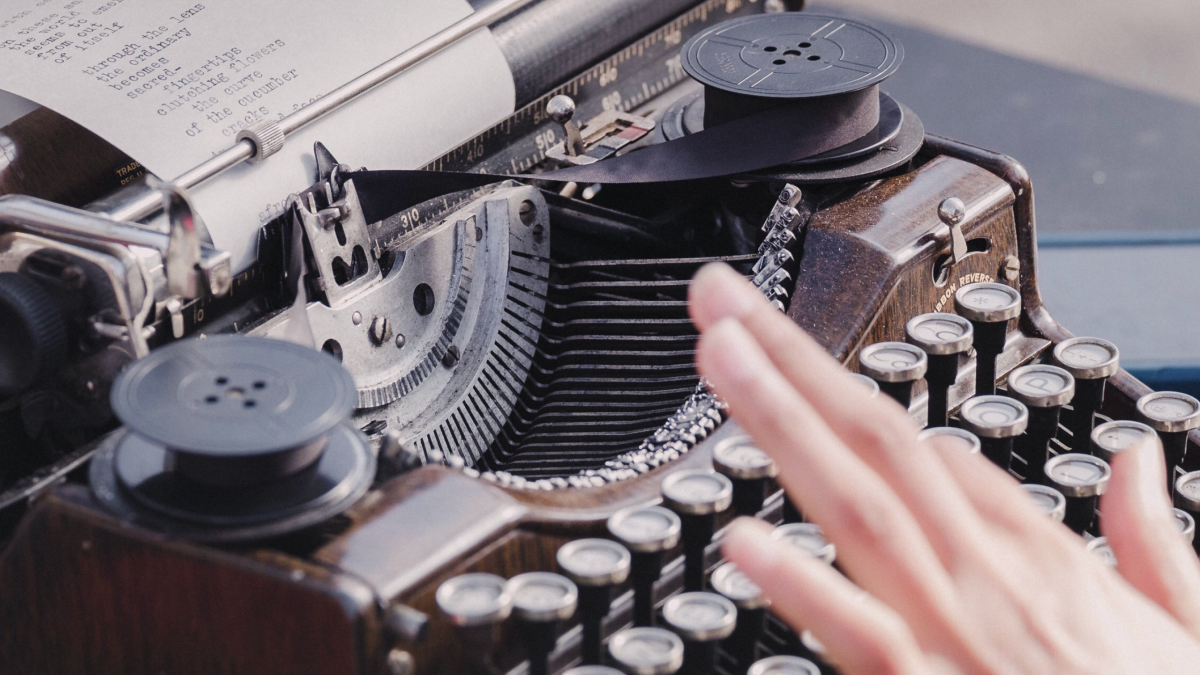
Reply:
x=96, y=594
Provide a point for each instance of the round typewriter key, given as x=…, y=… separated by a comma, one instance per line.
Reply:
x=751, y=605
x=1081, y=479
x=943, y=338
x=1186, y=523
x=647, y=532
x=1044, y=389
x=960, y=439
x=895, y=366
x=646, y=651
x=477, y=604
x=702, y=620
x=596, y=566
x=809, y=538
x=996, y=420
x=989, y=307
x=748, y=467
x=1091, y=361
x=1187, y=498
x=1100, y=548
x=1112, y=437
x=697, y=496
x=1172, y=415
x=1050, y=501
x=541, y=600
x=871, y=385
x=592, y=670
x=784, y=665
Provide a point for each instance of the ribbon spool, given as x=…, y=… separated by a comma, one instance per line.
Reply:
x=231, y=438
x=820, y=67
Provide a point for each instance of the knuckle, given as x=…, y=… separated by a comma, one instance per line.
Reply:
x=870, y=522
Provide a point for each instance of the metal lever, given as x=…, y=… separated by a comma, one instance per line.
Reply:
x=952, y=212
x=561, y=109
x=183, y=246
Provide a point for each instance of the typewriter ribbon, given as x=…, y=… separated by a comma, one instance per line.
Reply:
x=780, y=90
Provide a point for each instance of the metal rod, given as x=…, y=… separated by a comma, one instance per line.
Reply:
x=242, y=150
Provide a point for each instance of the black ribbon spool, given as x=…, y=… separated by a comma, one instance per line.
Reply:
x=231, y=438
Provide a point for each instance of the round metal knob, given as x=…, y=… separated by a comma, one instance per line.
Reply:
x=594, y=562
x=561, y=108
x=871, y=385
x=647, y=651
x=1050, y=501
x=784, y=665
x=809, y=538
x=987, y=302
x=697, y=492
x=475, y=599
x=700, y=616
x=739, y=459
x=1169, y=411
x=893, y=362
x=994, y=416
x=541, y=597
x=1041, y=385
x=961, y=439
x=645, y=529
x=952, y=211
x=1079, y=475
x=732, y=583
x=1112, y=437
x=940, y=334
x=1100, y=548
x=1088, y=358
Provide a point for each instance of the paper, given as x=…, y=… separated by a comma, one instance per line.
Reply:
x=172, y=83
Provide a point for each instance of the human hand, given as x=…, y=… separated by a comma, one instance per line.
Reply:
x=956, y=570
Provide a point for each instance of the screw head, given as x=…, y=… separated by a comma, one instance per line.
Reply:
x=561, y=108
x=356, y=318
x=400, y=340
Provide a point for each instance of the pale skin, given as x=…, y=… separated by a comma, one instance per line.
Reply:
x=954, y=569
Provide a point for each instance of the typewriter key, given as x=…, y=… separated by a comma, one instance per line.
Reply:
x=1187, y=498
x=541, y=601
x=1186, y=523
x=996, y=420
x=943, y=337
x=895, y=366
x=871, y=385
x=646, y=651
x=697, y=496
x=648, y=532
x=1112, y=437
x=1044, y=389
x=960, y=438
x=1172, y=415
x=477, y=604
x=1081, y=479
x=1100, y=548
x=702, y=620
x=1091, y=361
x=809, y=538
x=232, y=438
x=751, y=605
x=784, y=665
x=596, y=566
x=989, y=307
x=1050, y=501
x=749, y=468
x=592, y=670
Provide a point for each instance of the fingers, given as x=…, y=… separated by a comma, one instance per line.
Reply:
x=860, y=634
x=877, y=429
x=885, y=550
x=1140, y=526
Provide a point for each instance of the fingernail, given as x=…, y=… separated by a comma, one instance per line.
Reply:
x=721, y=293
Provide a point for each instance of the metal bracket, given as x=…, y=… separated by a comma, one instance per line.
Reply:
x=343, y=254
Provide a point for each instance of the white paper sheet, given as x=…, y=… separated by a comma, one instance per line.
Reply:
x=171, y=83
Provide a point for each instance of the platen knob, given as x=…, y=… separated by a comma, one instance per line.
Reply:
x=33, y=335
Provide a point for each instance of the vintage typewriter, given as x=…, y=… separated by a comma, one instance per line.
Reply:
x=515, y=468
